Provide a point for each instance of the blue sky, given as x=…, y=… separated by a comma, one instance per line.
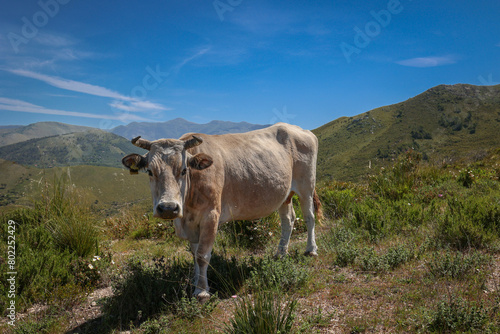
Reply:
x=108, y=63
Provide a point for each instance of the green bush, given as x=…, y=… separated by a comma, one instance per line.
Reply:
x=394, y=257
x=283, y=274
x=339, y=198
x=456, y=265
x=45, y=254
x=267, y=312
x=346, y=255
x=470, y=222
x=251, y=234
x=458, y=316
x=395, y=182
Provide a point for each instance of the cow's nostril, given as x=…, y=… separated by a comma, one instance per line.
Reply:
x=168, y=210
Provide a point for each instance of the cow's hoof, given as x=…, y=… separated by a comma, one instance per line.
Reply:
x=203, y=297
x=280, y=255
x=310, y=253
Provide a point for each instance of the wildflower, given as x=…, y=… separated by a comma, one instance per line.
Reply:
x=440, y=195
x=96, y=258
x=270, y=234
x=91, y=266
x=234, y=296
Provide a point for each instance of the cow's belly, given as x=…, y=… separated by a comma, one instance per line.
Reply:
x=254, y=203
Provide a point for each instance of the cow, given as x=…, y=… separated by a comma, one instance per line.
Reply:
x=200, y=181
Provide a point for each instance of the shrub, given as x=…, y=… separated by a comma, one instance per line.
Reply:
x=458, y=315
x=268, y=312
x=456, y=265
x=473, y=221
x=338, y=199
x=44, y=253
x=369, y=260
x=346, y=255
x=283, y=274
x=252, y=234
x=395, y=182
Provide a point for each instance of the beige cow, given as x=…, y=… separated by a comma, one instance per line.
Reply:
x=200, y=181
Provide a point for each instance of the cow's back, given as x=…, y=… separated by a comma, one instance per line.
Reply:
x=256, y=171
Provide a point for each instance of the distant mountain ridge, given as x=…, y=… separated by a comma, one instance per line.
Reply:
x=446, y=122
x=179, y=126
x=12, y=134
x=53, y=144
x=92, y=147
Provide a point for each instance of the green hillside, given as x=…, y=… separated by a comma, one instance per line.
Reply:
x=107, y=188
x=17, y=134
x=444, y=123
x=94, y=147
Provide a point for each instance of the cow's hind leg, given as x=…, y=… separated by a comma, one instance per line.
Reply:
x=287, y=215
x=307, y=206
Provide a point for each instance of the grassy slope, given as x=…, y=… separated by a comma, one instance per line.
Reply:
x=109, y=188
x=445, y=122
x=14, y=135
x=94, y=147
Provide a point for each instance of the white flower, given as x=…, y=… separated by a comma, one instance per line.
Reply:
x=91, y=266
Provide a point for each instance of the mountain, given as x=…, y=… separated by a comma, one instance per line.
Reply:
x=16, y=134
x=447, y=122
x=92, y=147
x=177, y=127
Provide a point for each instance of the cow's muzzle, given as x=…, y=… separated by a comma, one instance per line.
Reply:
x=168, y=210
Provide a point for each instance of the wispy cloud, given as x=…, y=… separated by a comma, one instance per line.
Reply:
x=71, y=85
x=175, y=69
x=121, y=102
x=428, y=61
x=23, y=106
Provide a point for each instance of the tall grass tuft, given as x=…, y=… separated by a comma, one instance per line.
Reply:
x=67, y=216
x=267, y=312
x=52, y=235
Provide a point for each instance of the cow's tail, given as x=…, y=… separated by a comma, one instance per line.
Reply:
x=318, y=210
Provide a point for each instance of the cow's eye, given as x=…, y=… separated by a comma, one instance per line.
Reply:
x=184, y=171
x=149, y=172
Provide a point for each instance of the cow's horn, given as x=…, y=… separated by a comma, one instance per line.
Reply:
x=195, y=141
x=142, y=143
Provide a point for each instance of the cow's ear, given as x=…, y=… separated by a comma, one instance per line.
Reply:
x=134, y=162
x=200, y=161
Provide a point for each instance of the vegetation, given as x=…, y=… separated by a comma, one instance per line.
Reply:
x=414, y=249
x=445, y=123
x=412, y=246
x=93, y=147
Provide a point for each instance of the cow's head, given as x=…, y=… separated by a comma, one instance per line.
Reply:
x=168, y=164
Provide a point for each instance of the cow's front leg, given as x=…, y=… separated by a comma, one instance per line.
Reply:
x=194, y=250
x=203, y=253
